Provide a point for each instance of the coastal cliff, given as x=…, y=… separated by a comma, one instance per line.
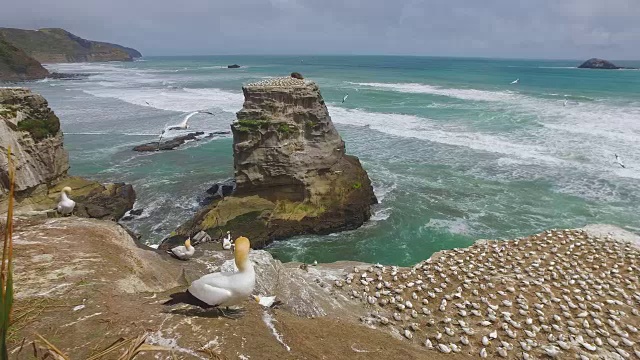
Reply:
x=32, y=130
x=291, y=168
x=59, y=46
x=530, y=295
x=16, y=65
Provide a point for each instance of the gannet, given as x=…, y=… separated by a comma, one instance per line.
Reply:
x=184, y=252
x=66, y=205
x=226, y=241
x=515, y=81
x=619, y=161
x=345, y=98
x=266, y=301
x=183, y=125
x=146, y=102
x=222, y=288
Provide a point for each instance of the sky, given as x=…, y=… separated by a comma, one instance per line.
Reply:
x=540, y=29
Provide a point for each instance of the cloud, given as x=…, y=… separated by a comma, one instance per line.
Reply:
x=506, y=28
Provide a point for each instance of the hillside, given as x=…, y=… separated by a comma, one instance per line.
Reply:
x=58, y=45
x=16, y=65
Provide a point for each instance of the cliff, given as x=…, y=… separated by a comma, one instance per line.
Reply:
x=292, y=172
x=32, y=129
x=58, y=45
x=567, y=292
x=16, y=65
x=596, y=63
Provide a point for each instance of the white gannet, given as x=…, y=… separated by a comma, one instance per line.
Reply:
x=266, y=301
x=345, y=98
x=66, y=205
x=619, y=161
x=565, y=103
x=183, y=125
x=228, y=288
x=184, y=252
x=222, y=288
x=515, y=81
x=226, y=241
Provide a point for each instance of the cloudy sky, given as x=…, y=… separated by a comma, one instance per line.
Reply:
x=566, y=29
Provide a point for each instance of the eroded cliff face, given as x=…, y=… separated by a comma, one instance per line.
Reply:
x=293, y=175
x=30, y=127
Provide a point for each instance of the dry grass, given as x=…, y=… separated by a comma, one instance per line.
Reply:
x=121, y=349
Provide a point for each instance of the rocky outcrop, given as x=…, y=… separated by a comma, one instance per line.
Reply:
x=596, y=63
x=292, y=172
x=16, y=65
x=30, y=127
x=32, y=130
x=83, y=284
x=234, y=66
x=58, y=45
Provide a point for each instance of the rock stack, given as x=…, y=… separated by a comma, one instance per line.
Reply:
x=292, y=172
x=32, y=130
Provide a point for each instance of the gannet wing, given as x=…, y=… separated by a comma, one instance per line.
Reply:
x=209, y=294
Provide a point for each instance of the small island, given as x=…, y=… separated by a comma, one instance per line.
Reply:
x=234, y=66
x=596, y=63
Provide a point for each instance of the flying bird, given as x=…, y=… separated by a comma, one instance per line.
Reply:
x=619, y=161
x=183, y=125
x=345, y=98
x=515, y=81
x=146, y=102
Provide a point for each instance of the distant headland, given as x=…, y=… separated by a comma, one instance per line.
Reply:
x=22, y=51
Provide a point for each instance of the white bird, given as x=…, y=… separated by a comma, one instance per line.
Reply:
x=345, y=98
x=266, y=301
x=226, y=241
x=515, y=81
x=619, y=161
x=65, y=205
x=222, y=288
x=184, y=252
x=183, y=125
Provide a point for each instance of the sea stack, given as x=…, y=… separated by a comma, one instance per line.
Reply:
x=291, y=168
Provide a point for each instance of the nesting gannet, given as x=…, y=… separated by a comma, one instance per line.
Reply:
x=222, y=288
x=345, y=98
x=619, y=161
x=515, y=81
x=226, y=241
x=66, y=205
x=183, y=125
x=184, y=252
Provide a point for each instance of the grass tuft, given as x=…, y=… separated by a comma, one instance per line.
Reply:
x=6, y=271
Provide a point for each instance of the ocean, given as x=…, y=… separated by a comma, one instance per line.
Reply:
x=455, y=152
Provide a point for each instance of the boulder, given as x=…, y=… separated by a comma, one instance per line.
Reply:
x=291, y=169
x=219, y=190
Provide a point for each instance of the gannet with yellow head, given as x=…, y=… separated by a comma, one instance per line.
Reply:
x=184, y=252
x=228, y=288
x=66, y=205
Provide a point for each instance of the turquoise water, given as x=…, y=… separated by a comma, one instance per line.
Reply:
x=454, y=151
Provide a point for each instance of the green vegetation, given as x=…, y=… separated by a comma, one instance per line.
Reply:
x=6, y=271
x=356, y=186
x=41, y=128
x=311, y=123
x=58, y=45
x=251, y=125
x=284, y=128
x=296, y=211
x=8, y=112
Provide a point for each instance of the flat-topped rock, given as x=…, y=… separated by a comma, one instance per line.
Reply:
x=292, y=172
